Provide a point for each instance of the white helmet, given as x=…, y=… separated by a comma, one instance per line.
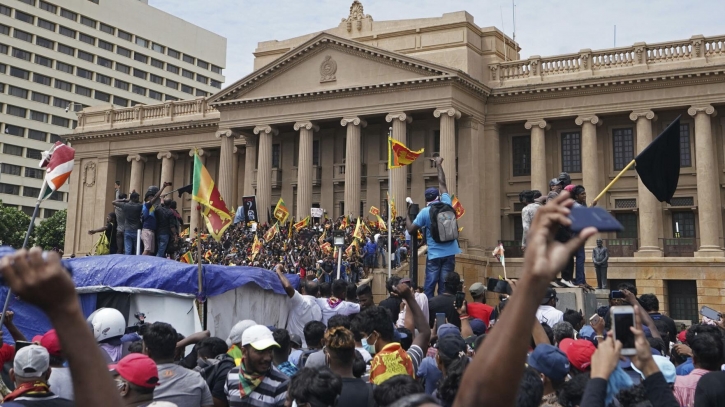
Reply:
x=107, y=323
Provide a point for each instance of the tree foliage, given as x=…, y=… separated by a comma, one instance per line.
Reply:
x=50, y=234
x=13, y=226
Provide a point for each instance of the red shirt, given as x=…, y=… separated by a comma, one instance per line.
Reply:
x=480, y=311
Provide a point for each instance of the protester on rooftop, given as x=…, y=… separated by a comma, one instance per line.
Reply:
x=110, y=231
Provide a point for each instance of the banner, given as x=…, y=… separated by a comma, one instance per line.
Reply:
x=317, y=212
x=250, y=209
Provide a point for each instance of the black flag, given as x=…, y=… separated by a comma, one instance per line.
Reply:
x=658, y=165
x=187, y=189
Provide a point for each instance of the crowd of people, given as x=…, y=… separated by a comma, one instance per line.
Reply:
x=340, y=348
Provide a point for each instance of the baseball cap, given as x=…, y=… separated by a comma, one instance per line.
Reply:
x=682, y=336
x=550, y=293
x=31, y=361
x=578, y=352
x=452, y=346
x=554, y=181
x=431, y=194
x=666, y=367
x=477, y=289
x=477, y=326
x=138, y=369
x=259, y=336
x=550, y=361
x=51, y=342
x=448, y=329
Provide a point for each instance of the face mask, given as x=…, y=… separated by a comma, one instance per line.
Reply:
x=368, y=347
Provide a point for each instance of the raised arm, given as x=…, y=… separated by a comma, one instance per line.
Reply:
x=48, y=285
x=442, y=186
x=158, y=194
x=508, y=342
x=285, y=283
x=14, y=331
x=421, y=324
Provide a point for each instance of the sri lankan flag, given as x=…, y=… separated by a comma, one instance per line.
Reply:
x=271, y=233
x=374, y=211
x=458, y=207
x=322, y=237
x=326, y=247
x=350, y=249
x=207, y=255
x=215, y=211
x=381, y=224
x=357, y=234
x=343, y=224
x=399, y=155
x=186, y=258
x=256, y=246
x=304, y=222
x=281, y=213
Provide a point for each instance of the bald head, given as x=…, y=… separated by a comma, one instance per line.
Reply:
x=311, y=288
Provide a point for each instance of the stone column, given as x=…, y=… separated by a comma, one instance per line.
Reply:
x=473, y=158
x=539, y=178
x=448, y=118
x=353, y=164
x=398, y=177
x=194, y=221
x=137, y=165
x=304, y=168
x=590, y=154
x=264, y=171
x=708, y=190
x=490, y=192
x=167, y=166
x=226, y=165
x=649, y=208
x=250, y=160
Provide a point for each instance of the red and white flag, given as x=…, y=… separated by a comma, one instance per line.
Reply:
x=58, y=164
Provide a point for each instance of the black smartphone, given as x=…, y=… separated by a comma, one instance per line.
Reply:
x=582, y=217
x=710, y=313
x=498, y=286
x=21, y=344
x=622, y=321
x=616, y=294
x=440, y=319
x=460, y=296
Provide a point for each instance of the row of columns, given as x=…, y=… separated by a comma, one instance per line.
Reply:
x=650, y=210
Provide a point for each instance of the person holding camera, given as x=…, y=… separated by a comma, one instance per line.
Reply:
x=441, y=232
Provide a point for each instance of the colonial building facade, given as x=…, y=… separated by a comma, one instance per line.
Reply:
x=310, y=125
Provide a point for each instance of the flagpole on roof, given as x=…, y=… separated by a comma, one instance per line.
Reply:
x=25, y=242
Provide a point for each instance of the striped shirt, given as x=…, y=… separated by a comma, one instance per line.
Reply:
x=272, y=392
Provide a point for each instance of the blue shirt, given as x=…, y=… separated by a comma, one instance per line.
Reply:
x=148, y=216
x=685, y=368
x=436, y=250
x=239, y=216
x=370, y=249
x=429, y=371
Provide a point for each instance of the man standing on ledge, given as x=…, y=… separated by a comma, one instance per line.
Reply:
x=441, y=256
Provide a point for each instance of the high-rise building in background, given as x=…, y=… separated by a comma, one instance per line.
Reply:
x=57, y=57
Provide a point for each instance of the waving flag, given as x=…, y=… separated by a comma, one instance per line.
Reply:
x=358, y=230
x=322, y=237
x=658, y=165
x=256, y=246
x=271, y=233
x=399, y=155
x=374, y=211
x=326, y=247
x=215, y=211
x=281, y=213
x=343, y=224
x=186, y=258
x=498, y=252
x=58, y=164
x=458, y=207
x=304, y=222
x=381, y=224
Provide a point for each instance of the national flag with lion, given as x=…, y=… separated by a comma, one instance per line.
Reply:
x=399, y=155
x=256, y=246
x=458, y=207
x=281, y=213
x=271, y=233
x=215, y=211
x=304, y=222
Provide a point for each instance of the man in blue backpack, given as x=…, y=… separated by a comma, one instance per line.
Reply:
x=441, y=233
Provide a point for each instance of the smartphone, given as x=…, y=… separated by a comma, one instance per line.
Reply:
x=582, y=217
x=710, y=313
x=460, y=296
x=622, y=321
x=616, y=294
x=498, y=286
x=594, y=319
x=440, y=319
x=21, y=344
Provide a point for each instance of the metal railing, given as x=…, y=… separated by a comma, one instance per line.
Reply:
x=680, y=247
x=623, y=247
x=513, y=249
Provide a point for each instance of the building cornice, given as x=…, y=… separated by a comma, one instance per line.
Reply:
x=139, y=132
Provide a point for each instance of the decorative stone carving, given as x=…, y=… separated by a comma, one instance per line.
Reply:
x=639, y=51
x=707, y=109
x=402, y=116
x=593, y=119
x=494, y=71
x=356, y=121
x=170, y=155
x=541, y=123
x=307, y=125
x=267, y=129
x=449, y=111
x=199, y=151
x=357, y=14
x=328, y=69
x=648, y=114
x=136, y=157
x=585, y=61
x=227, y=133
x=89, y=174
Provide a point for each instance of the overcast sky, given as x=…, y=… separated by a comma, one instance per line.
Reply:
x=542, y=27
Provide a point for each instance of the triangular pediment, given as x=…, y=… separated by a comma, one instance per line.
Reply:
x=327, y=62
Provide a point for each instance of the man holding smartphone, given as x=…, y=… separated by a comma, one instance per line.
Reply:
x=441, y=256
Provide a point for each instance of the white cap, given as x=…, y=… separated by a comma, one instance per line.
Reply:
x=235, y=335
x=259, y=336
x=31, y=361
x=162, y=404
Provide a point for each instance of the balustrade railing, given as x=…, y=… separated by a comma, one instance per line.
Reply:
x=140, y=113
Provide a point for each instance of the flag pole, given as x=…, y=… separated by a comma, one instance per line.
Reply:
x=199, y=269
x=390, y=175
x=25, y=243
x=604, y=191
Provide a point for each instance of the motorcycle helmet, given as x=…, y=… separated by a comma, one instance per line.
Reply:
x=107, y=323
x=565, y=179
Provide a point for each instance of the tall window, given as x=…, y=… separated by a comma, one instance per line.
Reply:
x=521, y=148
x=685, y=223
x=685, y=153
x=682, y=298
x=275, y=155
x=571, y=160
x=623, y=140
x=316, y=152
x=629, y=221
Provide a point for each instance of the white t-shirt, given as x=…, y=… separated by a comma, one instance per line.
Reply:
x=343, y=308
x=61, y=382
x=302, y=309
x=546, y=314
x=365, y=354
x=422, y=301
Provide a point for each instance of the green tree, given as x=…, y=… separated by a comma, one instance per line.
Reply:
x=13, y=226
x=50, y=234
